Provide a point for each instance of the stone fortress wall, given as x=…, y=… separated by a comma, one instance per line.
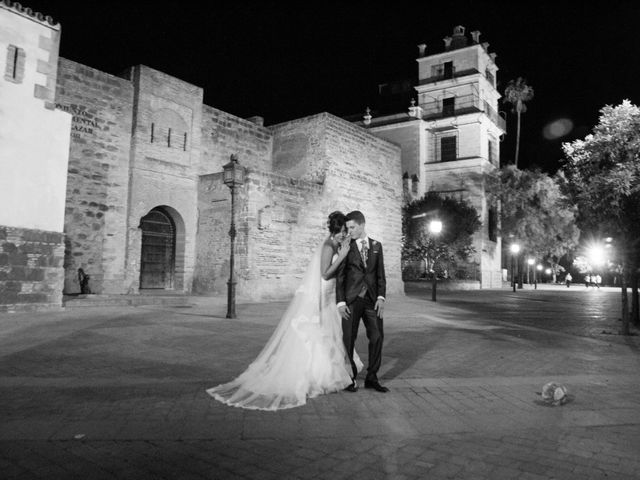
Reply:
x=297, y=173
x=123, y=149
x=321, y=163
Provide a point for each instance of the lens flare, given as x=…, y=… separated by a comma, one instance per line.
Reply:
x=557, y=129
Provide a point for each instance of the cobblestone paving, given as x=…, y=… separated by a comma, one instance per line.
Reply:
x=116, y=393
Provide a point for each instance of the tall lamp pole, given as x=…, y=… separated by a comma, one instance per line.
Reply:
x=233, y=178
x=515, y=248
x=435, y=227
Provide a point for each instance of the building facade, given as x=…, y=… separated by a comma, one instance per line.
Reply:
x=450, y=136
x=34, y=152
x=134, y=191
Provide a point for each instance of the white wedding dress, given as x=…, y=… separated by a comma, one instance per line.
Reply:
x=305, y=356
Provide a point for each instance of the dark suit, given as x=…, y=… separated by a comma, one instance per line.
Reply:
x=360, y=285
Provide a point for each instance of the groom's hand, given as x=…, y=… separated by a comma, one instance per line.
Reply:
x=379, y=306
x=344, y=312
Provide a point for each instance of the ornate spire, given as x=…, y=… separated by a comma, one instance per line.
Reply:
x=367, y=116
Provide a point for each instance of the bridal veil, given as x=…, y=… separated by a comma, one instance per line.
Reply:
x=304, y=357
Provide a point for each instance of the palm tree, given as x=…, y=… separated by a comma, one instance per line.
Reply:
x=516, y=93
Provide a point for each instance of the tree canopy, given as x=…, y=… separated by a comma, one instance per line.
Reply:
x=602, y=176
x=603, y=172
x=535, y=213
x=460, y=220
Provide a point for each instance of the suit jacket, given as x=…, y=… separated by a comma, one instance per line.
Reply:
x=353, y=273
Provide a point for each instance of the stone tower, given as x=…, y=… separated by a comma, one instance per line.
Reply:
x=450, y=135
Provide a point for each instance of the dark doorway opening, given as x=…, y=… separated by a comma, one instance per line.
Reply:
x=157, y=259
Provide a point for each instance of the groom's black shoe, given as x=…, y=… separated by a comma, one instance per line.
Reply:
x=375, y=385
x=352, y=388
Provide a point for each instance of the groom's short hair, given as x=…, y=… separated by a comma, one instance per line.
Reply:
x=356, y=216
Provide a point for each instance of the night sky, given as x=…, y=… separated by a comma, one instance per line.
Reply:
x=283, y=60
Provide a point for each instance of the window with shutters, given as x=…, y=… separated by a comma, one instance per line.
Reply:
x=437, y=70
x=490, y=77
x=14, y=69
x=448, y=148
x=448, y=70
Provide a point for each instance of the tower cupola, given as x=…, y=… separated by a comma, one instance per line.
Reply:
x=459, y=39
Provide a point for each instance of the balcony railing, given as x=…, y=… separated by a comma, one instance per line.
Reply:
x=442, y=76
x=462, y=105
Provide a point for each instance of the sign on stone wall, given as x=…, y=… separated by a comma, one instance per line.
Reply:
x=83, y=123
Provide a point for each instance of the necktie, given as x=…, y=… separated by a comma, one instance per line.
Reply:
x=365, y=251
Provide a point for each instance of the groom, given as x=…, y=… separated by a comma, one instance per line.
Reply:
x=360, y=291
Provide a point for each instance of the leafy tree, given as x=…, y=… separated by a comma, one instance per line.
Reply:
x=454, y=244
x=535, y=213
x=517, y=93
x=602, y=176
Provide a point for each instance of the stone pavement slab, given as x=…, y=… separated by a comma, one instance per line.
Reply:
x=120, y=393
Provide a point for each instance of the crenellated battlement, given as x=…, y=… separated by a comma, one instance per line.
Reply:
x=27, y=12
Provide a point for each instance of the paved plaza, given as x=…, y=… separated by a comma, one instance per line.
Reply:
x=119, y=393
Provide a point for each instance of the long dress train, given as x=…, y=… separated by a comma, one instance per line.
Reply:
x=304, y=357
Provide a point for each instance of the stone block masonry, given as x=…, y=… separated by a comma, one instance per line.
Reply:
x=285, y=221
x=321, y=164
x=31, y=272
x=98, y=175
x=364, y=172
x=224, y=134
x=212, y=239
x=297, y=173
x=279, y=223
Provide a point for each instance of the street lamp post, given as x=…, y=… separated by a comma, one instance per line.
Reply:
x=233, y=178
x=435, y=227
x=515, y=248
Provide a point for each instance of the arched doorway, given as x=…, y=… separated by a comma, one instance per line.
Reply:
x=157, y=259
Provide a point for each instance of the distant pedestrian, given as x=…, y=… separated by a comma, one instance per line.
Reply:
x=587, y=281
x=597, y=279
x=568, y=279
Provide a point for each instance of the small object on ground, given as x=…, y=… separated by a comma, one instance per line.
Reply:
x=554, y=393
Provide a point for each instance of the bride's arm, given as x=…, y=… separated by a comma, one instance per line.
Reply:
x=327, y=268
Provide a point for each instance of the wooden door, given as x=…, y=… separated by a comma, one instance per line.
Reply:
x=157, y=259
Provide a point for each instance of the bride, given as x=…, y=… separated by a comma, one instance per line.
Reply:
x=305, y=356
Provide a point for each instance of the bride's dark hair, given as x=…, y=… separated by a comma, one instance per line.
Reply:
x=336, y=222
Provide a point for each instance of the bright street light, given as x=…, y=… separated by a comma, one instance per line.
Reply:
x=539, y=269
x=515, y=248
x=596, y=255
x=530, y=262
x=435, y=227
